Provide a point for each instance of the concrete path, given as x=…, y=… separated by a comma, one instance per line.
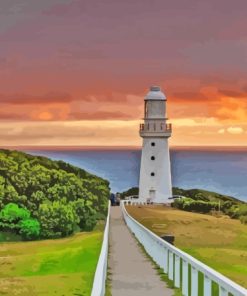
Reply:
x=132, y=274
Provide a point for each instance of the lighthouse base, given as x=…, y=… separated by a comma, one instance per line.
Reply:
x=155, y=173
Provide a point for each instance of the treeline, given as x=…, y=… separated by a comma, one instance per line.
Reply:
x=41, y=198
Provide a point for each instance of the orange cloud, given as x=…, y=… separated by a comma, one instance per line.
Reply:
x=45, y=116
x=27, y=99
x=186, y=132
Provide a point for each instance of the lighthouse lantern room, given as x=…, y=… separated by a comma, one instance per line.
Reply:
x=155, y=172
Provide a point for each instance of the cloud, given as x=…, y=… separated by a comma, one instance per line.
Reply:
x=99, y=115
x=12, y=115
x=27, y=99
x=235, y=130
x=233, y=93
x=221, y=131
x=230, y=109
x=86, y=133
x=113, y=132
x=190, y=97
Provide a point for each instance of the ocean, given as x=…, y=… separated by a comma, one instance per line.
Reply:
x=220, y=170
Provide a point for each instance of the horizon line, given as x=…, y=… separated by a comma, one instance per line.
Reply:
x=118, y=147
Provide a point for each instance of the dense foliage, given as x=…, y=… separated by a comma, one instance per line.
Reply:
x=199, y=206
x=41, y=198
x=130, y=192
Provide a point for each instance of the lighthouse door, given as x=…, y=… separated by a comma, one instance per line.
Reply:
x=152, y=195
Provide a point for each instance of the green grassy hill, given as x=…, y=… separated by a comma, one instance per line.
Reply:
x=196, y=194
x=205, y=195
x=50, y=267
x=203, y=201
x=218, y=242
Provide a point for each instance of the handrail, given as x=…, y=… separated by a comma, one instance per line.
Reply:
x=101, y=270
x=226, y=285
x=158, y=127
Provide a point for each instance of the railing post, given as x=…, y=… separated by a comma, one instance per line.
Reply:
x=171, y=262
x=160, y=256
x=152, y=249
x=177, y=272
x=223, y=292
x=156, y=253
x=207, y=286
x=185, y=279
x=164, y=259
x=194, y=281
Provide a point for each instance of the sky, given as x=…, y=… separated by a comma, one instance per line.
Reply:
x=75, y=72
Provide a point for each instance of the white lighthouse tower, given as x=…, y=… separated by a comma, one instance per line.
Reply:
x=155, y=173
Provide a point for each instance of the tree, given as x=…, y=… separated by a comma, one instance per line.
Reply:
x=87, y=215
x=11, y=215
x=57, y=219
x=12, y=212
x=29, y=229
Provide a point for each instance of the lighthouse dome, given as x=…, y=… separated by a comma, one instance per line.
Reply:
x=155, y=93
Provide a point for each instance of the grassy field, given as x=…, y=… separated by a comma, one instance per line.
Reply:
x=219, y=242
x=50, y=267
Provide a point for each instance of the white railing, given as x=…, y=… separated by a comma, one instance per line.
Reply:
x=172, y=260
x=101, y=270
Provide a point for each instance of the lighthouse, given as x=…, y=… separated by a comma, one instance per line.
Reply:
x=155, y=171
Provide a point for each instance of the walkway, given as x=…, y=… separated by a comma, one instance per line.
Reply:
x=132, y=274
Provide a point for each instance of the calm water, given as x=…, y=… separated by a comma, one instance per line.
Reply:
x=221, y=171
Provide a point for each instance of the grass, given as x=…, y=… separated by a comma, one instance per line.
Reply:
x=218, y=242
x=50, y=267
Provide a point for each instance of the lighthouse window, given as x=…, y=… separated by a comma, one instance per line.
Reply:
x=152, y=174
x=152, y=158
x=152, y=144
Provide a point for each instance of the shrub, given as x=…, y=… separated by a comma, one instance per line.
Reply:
x=30, y=229
x=243, y=219
x=199, y=206
x=11, y=215
x=233, y=211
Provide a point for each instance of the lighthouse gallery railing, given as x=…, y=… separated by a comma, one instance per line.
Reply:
x=176, y=263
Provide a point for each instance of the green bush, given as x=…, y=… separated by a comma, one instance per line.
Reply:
x=11, y=215
x=243, y=219
x=16, y=219
x=233, y=212
x=30, y=229
x=199, y=206
x=243, y=210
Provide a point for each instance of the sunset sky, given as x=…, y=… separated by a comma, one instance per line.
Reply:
x=75, y=72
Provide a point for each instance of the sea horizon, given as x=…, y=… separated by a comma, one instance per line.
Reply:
x=84, y=147
x=219, y=169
